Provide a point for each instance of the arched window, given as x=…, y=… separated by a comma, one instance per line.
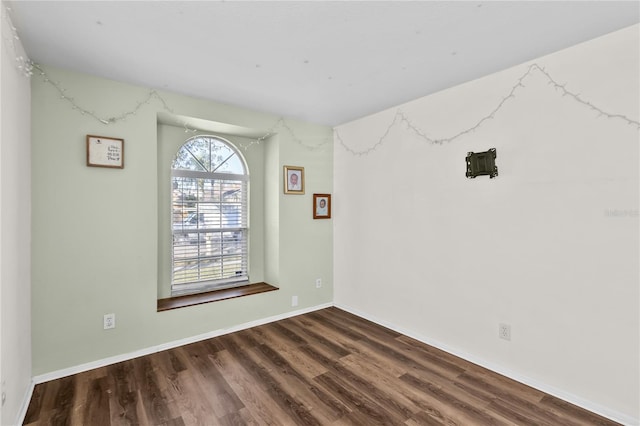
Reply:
x=209, y=179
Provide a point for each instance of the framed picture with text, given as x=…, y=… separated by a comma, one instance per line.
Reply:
x=104, y=151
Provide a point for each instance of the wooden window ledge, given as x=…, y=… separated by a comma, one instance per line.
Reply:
x=213, y=296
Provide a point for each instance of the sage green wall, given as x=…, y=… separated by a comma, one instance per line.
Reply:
x=95, y=230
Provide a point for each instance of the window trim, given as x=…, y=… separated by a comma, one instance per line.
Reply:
x=194, y=299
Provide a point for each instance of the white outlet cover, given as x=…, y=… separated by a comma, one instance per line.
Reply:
x=109, y=321
x=504, y=331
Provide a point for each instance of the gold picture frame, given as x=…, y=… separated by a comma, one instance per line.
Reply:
x=103, y=151
x=293, y=180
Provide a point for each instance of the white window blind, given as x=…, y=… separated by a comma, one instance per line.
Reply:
x=209, y=216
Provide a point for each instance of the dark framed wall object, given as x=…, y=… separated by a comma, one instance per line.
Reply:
x=104, y=151
x=481, y=164
x=322, y=206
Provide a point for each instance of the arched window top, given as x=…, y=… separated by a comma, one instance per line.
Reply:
x=209, y=154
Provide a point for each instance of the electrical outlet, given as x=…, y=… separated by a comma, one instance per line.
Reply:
x=318, y=282
x=109, y=321
x=294, y=300
x=504, y=331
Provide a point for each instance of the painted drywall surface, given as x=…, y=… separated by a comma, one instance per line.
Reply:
x=306, y=245
x=15, y=218
x=95, y=230
x=549, y=247
x=272, y=210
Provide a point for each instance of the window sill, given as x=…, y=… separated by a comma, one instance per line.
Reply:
x=213, y=296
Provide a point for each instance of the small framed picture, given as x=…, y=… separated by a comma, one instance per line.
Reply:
x=321, y=206
x=293, y=180
x=105, y=152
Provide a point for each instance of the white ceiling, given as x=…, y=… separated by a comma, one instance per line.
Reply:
x=324, y=62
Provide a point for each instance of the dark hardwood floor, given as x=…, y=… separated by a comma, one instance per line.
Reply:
x=323, y=368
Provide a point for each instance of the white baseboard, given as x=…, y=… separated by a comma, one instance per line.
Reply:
x=58, y=374
x=25, y=403
x=536, y=384
x=573, y=399
x=170, y=345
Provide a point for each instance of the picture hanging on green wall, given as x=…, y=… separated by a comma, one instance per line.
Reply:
x=293, y=180
x=105, y=152
x=322, y=206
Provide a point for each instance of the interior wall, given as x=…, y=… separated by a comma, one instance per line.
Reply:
x=95, y=230
x=549, y=247
x=15, y=234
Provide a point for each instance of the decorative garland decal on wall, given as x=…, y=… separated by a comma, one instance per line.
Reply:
x=110, y=120
x=400, y=117
x=23, y=64
x=28, y=67
x=280, y=122
x=271, y=132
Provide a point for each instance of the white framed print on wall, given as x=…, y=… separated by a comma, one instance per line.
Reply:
x=104, y=151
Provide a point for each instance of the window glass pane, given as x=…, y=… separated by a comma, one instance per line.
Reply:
x=209, y=217
x=193, y=155
x=225, y=160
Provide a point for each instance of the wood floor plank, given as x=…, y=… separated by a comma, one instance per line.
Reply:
x=96, y=409
x=318, y=339
x=457, y=410
x=257, y=400
x=435, y=353
x=49, y=396
x=379, y=378
x=306, y=365
x=509, y=403
x=431, y=418
x=186, y=393
x=63, y=402
x=356, y=400
x=327, y=367
x=570, y=411
x=319, y=403
x=123, y=404
x=154, y=400
x=371, y=358
x=295, y=409
x=435, y=359
x=240, y=417
x=223, y=400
